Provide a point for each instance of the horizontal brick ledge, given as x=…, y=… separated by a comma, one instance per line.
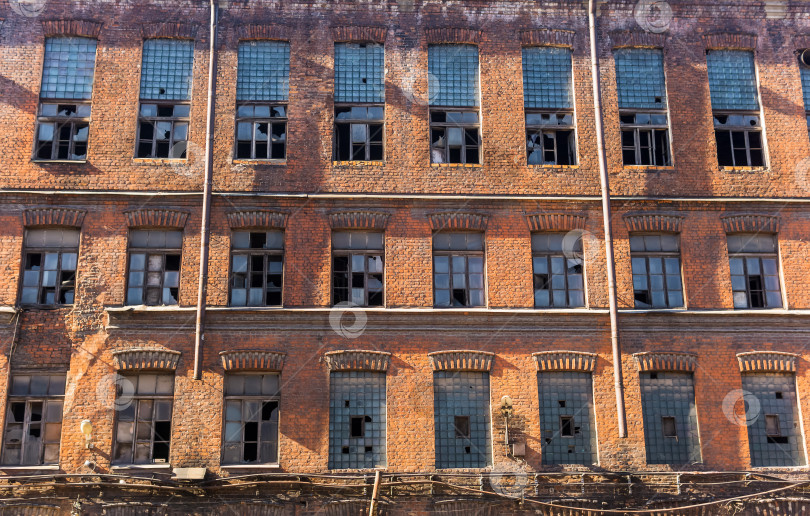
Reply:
x=750, y=223
x=638, y=39
x=556, y=221
x=53, y=217
x=169, y=30
x=261, y=31
x=730, y=40
x=86, y=28
x=249, y=360
x=548, y=37
x=257, y=219
x=565, y=361
x=359, y=34
x=457, y=220
x=461, y=360
x=453, y=35
x=156, y=218
x=767, y=361
x=357, y=360
x=663, y=222
x=146, y=359
x=358, y=219
x=653, y=361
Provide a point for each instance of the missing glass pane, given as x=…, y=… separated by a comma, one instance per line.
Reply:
x=461, y=424
x=668, y=427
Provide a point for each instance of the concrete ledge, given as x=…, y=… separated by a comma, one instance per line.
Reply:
x=7, y=314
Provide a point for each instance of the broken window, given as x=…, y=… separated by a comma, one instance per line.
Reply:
x=670, y=418
x=63, y=121
x=262, y=92
x=774, y=435
x=49, y=274
x=357, y=268
x=257, y=268
x=566, y=426
x=754, y=268
x=359, y=101
x=143, y=422
x=34, y=420
x=566, y=418
x=458, y=269
x=548, y=101
x=668, y=427
x=656, y=262
x=163, y=115
x=461, y=419
x=804, y=70
x=357, y=420
x=557, y=264
x=251, y=419
x=154, y=267
x=455, y=134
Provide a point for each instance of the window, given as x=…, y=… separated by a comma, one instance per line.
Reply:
x=557, y=264
x=754, y=271
x=257, y=266
x=34, y=419
x=549, y=106
x=166, y=75
x=143, y=426
x=458, y=269
x=262, y=92
x=668, y=427
x=154, y=267
x=804, y=70
x=455, y=135
x=670, y=418
x=566, y=418
x=774, y=435
x=251, y=419
x=642, y=107
x=359, y=101
x=735, y=106
x=357, y=420
x=49, y=277
x=461, y=419
x=656, y=262
x=357, y=268
x=63, y=123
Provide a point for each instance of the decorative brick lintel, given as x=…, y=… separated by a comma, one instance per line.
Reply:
x=767, y=361
x=156, y=218
x=53, y=217
x=450, y=35
x=461, y=360
x=730, y=40
x=684, y=362
x=659, y=222
x=247, y=360
x=146, y=359
x=257, y=219
x=360, y=34
x=556, y=221
x=353, y=360
x=548, y=37
x=750, y=223
x=85, y=28
x=256, y=31
x=565, y=361
x=358, y=219
x=456, y=220
x=169, y=30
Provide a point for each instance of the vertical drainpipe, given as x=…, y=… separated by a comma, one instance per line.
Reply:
x=611, y=267
x=199, y=334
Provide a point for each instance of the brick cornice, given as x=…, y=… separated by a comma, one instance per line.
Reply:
x=730, y=40
x=247, y=360
x=359, y=34
x=145, y=359
x=653, y=222
x=461, y=360
x=767, y=362
x=360, y=219
x=652, y=361
x=53, y=217
x=262, y=31
x=257, y=219
x=547, y=37
x=453, y=35
x=750, y=223
x=457, y=220
x=85, y=28
x=565, y=361
x=169, y=30
x=556, y=221
x=356, y=360
x=156, y=218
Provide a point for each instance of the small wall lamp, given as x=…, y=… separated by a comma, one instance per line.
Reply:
x=86, y=427
x=506, y=412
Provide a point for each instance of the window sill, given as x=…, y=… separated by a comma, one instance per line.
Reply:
x=259, y=161
x=743, y=169
x=60, y=161
x=456, y=165
x=125, y=467
x=50, y=467
x=160, y=161
x=552, y=167
x=358, y=163
x=648, y=168
x=250, y=466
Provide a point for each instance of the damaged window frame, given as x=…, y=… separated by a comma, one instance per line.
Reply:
x=636, y=256
x=269, y=255
x=346, y=276
x=54, y=395
x=262, y=425
x=62, y=115
x=544, y=125
x=137, y=400
x=374, y=132
x=748, y=123
x=652, y=125
x=175, y=145
x=439, y=124
x=761, y=257
x=569, y=257
x=466, y=254
x=61, y=286
x=147, y=252
x=273, y=117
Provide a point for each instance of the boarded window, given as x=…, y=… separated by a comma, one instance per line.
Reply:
x=166, y=72
x=732, y=80
x=34, y=420
x=359, y=73
x=774, y=435
x=461, y=418
x=566, y=418
x=357, y=420
x=263, y=72
x=251, y=419
x=640, y=78
x=68, y=68
x=547, y=80
x=453, y=79
x=670, y=418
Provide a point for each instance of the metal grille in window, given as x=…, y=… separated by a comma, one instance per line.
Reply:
x=453, y=79
x=357, y=420
x=557, y=264
x=257, y=265
x=640, y=78
x=461, y=419
x=143, y=426
x=359, y=73
x=566, y=418
x=774, y=435
x=34, y=420
x=68, y=68
x=357, y=268
x=656, y=261
x=49, y=276
x=251, y=419
x=458, y=269
x=547, y=80
x=166, y=71
x=263, y=72
x=455, y=136
x=739, y=140
x=359, y=133
x=261, y=131
x=670, y=418
x=754, y=268
x=732, y=80
x=163, y=131
x=154, y=267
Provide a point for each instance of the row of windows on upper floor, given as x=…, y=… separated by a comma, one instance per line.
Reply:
x=262, y=93
x=459, y=273
x=358, y=421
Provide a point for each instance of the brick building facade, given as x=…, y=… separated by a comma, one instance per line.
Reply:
x=376, y=153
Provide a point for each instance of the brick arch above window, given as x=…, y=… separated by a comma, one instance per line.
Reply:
x=146, y=359
x=251, y=360
x=750, y=223
x=453, y=35
x=654, y=222
x=637, y=39
x=156, y=218
x=53, y=217
x=262, y=31
x=458, y=221
x=565, y=361
x=357, y=360
x=86, y=28
x=730, y=40
x=360, y=219
x=169, y=30
x=359, y=34
x=767, y=362
x=461, y=360
x=257, y=219
x=651, y=361
x=547, y=38
x=556, y=221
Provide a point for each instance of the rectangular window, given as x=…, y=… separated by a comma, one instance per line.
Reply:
x=34, y=420
x=754, y=268
x=458, y=269
x=455, y=135
x=357, y=268
x=63, y=121
x=804, y=70
x=154, y=267
x=257, y=268
x=774, y=435
x=143, y=425
x=735, y=106
x=251, y=419
x=357, y=420
x=670, y=418
x=461, y=419
x=549, y=106
x=566, y=418
x=557, y=264
x=163, y=116
x=49, y=276
x=262, y=92
x=656, y=261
